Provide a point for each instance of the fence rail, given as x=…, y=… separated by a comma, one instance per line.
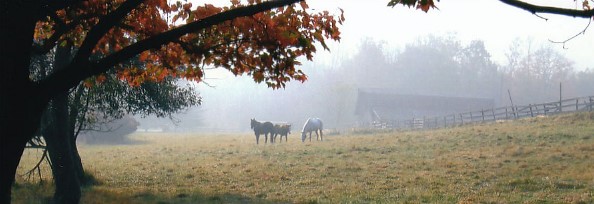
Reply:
x=490, y=115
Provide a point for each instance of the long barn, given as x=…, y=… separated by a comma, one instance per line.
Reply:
x=375, y=105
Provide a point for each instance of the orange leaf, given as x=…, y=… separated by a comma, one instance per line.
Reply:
x=425, y=6
x=101, y=78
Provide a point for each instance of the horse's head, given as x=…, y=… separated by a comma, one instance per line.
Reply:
x=253, y=123
x=302, y=136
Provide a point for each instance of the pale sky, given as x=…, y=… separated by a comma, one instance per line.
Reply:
x=495, y=23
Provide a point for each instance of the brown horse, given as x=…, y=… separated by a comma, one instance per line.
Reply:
x=282, y=130
x=262, y=128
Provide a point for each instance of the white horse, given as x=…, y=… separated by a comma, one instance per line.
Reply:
x=312, y=124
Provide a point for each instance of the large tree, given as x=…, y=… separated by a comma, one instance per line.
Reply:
x=262, y=39
x=90, y=103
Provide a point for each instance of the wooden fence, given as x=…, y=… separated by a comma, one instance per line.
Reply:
x=490, y=115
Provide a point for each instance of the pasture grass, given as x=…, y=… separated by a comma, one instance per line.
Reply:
x=535, y=160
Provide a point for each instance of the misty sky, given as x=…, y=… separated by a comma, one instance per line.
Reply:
x=489, y=20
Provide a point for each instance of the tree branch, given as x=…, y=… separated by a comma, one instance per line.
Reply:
x=174, y=34
x=37, y=167
x=104, y=25
x=61, y=29
x=547, y=9
x=75, y=72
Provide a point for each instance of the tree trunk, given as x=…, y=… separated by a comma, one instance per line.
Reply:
x=20, y=104
x=20, y=114
x=11, y=150
x=60, y=152
x=75, y=110
x=60, y=144
x=78, y=166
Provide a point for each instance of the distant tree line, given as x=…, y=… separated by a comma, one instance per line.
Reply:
x=445, y=66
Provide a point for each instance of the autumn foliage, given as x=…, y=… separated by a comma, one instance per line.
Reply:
x=267, y=46
x=424, y=5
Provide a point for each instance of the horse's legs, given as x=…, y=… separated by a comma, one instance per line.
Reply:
x=265, y=138
x=317, y=135
x=257, y=138
x=310, y=136
x=321, y=135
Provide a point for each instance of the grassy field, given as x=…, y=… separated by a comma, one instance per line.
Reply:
x=537, y=160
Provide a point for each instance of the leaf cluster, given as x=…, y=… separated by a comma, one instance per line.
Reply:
x=424, y=5
x=265, y=46
x=116, y=98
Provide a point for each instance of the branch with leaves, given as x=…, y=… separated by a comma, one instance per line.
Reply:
x=585, y=12
x=270, y=55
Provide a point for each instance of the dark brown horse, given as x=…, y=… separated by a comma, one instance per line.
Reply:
x=262, y=128
x=282, y=130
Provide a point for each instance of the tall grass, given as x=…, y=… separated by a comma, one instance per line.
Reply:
x=537, y=160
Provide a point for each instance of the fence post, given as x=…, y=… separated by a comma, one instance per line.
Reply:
x=461, y=119
x=576, y=104
x=531, y=113
x=454, y=119
x=560, y=99
x=493, y=111
x=483, y=114
x=506, y=115
x=424, y=123
x=436, y=124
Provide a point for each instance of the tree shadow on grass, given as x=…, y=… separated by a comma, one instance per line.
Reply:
x=196, y=198
x=42, y=193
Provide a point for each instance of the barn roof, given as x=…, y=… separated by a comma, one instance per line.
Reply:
x=394, y=102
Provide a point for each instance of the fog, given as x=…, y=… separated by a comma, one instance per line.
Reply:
x=456, y=51
x=230, y=102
